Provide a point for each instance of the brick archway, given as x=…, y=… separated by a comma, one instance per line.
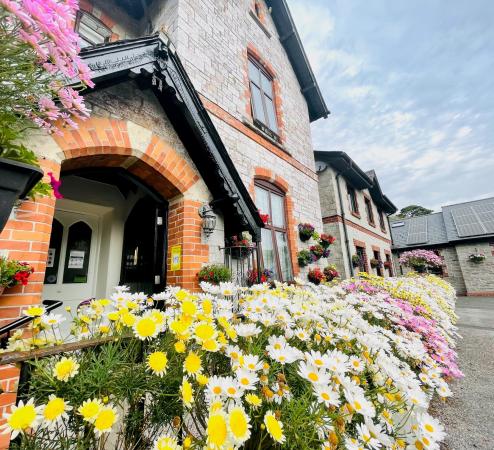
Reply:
x=110, y=143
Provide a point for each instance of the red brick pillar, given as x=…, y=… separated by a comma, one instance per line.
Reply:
x=185, y=230
x=26, y=237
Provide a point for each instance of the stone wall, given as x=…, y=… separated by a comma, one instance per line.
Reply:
x=479, y=278
x=466, y=277
x=360, y=232
x=453, y=272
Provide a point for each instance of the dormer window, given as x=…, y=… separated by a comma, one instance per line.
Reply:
x=91, y=30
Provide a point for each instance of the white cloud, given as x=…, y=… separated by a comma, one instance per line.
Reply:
x=463, y=132
x=357, y=92
x=437, y=137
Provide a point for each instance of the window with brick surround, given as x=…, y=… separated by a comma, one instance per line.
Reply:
x=257, y=9
x=362, y=258
x=275, y=250
x=381, y=220
x=352, y=199
x=262, y=97
x=390, y=264
x=369, y=212
x=91, y=30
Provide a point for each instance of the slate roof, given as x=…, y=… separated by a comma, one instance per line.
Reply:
x=441, y=227
x=341, y=162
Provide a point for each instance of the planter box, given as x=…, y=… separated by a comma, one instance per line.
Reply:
x=16, y=180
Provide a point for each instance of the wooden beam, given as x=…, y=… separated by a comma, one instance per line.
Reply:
x=16, y=357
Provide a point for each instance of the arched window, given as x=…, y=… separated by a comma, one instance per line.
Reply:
x=53, y=259
x=77, y=254
x=275, y=251
x=91, y=30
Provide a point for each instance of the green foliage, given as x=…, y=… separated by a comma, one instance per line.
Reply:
x=304, y=258
x=215, y=273
x=9, y=269
x=413, y=211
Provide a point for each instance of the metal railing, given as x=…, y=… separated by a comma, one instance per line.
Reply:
x=243, y=262
x=50, y=305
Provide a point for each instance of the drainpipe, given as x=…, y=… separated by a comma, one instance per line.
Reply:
x=345, y=230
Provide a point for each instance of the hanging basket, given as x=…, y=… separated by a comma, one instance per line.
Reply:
x=16, y=180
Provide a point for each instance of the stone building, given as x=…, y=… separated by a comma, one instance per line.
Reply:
x=455, y=233
x=355, y=211
x=200, y=107
x=196, y=103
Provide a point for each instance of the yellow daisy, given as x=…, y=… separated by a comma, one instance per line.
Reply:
x=157, y=362
x=22, y=417
x=274, y=427
x=105, y=420
x=65, y=369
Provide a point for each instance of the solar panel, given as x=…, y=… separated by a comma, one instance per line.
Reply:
x=467, y=222
x=485, y=213
x=417, y=231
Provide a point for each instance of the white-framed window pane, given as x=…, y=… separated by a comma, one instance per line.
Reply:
x=268, y=251
x=277, y=211
x=271, y=114
x=253, y=73
x=262, y=200
x=257, y=103
x=267, y=85
x=92, y=31
x=284, y=254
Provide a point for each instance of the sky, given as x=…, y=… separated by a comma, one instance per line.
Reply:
x=410, y=87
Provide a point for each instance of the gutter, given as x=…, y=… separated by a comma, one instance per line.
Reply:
x=345, y=230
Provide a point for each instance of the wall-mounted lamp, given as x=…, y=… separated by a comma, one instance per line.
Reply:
x=208, y=219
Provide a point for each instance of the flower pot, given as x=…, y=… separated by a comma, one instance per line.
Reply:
x=420, y=269
x=16, y=180
x=304, y=236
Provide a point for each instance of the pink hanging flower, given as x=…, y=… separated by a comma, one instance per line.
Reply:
x=46, y=26
x=55, y=184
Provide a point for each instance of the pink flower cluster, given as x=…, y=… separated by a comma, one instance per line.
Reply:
x=404, y=316
x=47, y=26
x=420, y=257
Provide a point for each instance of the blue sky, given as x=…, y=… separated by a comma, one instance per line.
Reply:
x=410, y=86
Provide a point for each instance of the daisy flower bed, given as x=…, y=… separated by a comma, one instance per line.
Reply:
x=348, y=366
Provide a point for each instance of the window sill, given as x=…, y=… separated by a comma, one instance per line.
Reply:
x=264, y=135
x=261, y=25
x=372, y=224
x=383, y=230
x=354, y=214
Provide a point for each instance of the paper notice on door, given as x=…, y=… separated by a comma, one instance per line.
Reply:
x=76, y=259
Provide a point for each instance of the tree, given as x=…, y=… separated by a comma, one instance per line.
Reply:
x=413, y=211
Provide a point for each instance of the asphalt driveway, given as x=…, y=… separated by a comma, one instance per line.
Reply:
x=469, y=414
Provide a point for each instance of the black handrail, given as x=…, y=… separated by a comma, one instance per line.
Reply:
x=50, y=306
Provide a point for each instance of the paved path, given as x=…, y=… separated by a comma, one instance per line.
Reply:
x=469, y=414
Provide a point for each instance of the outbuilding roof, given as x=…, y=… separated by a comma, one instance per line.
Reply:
x=359, y=179
x=458, y=222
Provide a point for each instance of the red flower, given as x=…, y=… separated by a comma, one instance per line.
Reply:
x=264, y=218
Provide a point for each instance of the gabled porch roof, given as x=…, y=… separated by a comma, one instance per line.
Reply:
x=153, y=62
